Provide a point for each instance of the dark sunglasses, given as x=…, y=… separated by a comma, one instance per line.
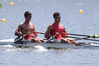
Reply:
x=58, y=17
x=29, y=16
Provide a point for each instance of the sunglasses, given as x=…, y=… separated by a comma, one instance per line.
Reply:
x=29, y=16
x=58, y=17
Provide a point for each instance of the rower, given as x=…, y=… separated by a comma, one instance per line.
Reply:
x=27, y=30
x=57, y=30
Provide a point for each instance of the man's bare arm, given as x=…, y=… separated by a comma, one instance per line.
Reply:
x=18, y=30
x=47, y=34
x=64, y=30
x=34, y=31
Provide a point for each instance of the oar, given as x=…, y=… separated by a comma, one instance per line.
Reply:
x=88, y=36
x=16, y=40
x=38, y=33
x=77, y=38
x=84, y=44
x=21, y=37
x=24, y=36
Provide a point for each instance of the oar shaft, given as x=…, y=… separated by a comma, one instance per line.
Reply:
x=40, y=32
x=77, y=34
x=83, y=38
x=87, y=36
x=68, y=34
x=21, y=37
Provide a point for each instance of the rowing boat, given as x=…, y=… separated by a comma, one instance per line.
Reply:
x=50, y=45
x=6, y=41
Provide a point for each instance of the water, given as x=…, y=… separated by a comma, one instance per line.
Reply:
x=42, y=11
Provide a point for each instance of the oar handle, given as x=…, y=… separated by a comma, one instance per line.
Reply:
x=21, y=37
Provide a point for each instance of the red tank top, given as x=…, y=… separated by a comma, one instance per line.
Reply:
x=57, y=31
x=29, y=37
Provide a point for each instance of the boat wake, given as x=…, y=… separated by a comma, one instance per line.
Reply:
x=10, y=48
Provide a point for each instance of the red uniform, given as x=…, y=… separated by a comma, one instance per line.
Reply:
x=29, y=36
x=57, y=31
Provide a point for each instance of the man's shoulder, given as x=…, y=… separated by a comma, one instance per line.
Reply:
x=31, y=23
x=61, y=25
x=50, y=25
x=20, y=25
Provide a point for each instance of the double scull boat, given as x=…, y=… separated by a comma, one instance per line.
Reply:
x=50, y=45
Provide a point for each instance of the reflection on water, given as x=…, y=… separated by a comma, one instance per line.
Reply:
x=55, y=57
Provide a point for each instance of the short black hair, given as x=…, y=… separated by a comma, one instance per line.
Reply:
x=56, y=14
x=27, y=13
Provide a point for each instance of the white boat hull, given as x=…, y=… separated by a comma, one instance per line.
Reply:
x=48, y=45
x=57, y=45
x=6, y=41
